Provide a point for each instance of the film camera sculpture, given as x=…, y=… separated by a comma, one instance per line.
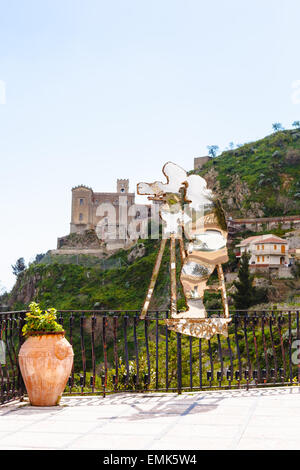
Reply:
x=186, y=204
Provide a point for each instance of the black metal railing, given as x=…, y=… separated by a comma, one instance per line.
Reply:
x=11, y=383
x=115, y=351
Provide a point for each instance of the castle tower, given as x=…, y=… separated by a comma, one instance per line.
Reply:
x=122, y=186
x=81, y=215
x=87, y=209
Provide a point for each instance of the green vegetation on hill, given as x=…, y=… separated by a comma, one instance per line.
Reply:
x=71, y=286
x=259, y=179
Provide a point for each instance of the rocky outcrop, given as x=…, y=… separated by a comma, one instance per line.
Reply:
x=85, y=240
x=236, y=197
x=25, y=289
x=211, y=178
x=293, y=239
x=138, y=251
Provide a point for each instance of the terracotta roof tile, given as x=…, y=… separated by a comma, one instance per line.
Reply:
x=270, y=240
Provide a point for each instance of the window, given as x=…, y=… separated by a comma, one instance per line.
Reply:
x=275, y=247
x=263, y=258
x=80, y=217
x=262, y=247
x=258, y=259
x=81, y=202
x=258, y=247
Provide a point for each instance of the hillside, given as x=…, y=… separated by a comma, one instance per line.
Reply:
x=72, y=286
x=258, y=179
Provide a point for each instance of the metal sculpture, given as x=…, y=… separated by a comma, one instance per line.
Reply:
x=186, y=204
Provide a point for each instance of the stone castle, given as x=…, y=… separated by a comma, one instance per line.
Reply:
x=102, y=217
x=85, y=202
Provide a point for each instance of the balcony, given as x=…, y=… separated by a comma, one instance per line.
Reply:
x=125, y=335
x=268, y=251
x=117, y=353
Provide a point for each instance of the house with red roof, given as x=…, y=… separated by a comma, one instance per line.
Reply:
x=266, y=251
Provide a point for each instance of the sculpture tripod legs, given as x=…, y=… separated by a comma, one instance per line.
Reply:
x=173, y=308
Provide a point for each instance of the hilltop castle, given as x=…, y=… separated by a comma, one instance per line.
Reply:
x=108, y=215
x=85, y=202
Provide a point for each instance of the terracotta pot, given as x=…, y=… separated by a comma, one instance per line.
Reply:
x=46, y=362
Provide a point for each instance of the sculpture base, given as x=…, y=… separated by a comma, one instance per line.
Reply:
x=200, y=327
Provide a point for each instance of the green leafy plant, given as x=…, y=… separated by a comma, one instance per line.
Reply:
x=38, y=321
x=243, y=297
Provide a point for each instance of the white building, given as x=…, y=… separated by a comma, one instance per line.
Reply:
x=266, y=251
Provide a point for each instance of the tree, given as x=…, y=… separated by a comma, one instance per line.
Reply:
x=39, y=257
x=244, y=295
x=212, y=150
x=296, y=124
x=296, y=269
x=277, y=126
x=19, y=267
x=2, y=289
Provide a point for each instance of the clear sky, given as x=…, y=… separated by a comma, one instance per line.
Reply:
x=97, y=90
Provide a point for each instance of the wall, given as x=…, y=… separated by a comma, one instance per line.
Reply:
x=200, y=161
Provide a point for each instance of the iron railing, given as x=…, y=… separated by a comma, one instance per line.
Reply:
x=11, y=383
x=115, y=351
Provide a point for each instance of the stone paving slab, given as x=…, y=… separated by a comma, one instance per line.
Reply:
x=232, y=419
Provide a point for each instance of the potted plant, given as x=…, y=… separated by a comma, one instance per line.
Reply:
x=45, y=358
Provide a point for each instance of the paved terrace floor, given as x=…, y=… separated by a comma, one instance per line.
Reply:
x=257, y=419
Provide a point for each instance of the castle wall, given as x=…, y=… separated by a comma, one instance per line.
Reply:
x=109, y=198
x=200, y=161
x=88, y=210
